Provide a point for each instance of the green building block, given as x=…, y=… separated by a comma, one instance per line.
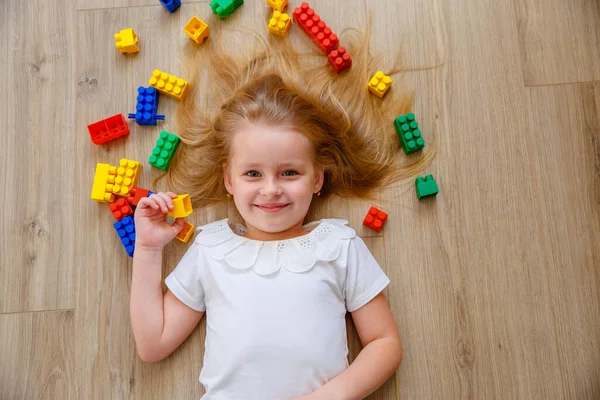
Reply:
x=164, y=150
x=409, y=133
x=224, y=8
x=426, y=187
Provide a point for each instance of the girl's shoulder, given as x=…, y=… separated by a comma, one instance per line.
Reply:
x=326, y=240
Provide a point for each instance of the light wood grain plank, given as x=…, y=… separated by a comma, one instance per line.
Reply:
x=37, y=147
x=559, y=40
x=37, y=356
x=104, y=4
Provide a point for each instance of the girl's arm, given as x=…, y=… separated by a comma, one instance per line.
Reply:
x=160, y=323
x=380, y=357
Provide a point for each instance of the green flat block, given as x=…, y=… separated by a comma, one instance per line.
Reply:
x=409, y=133
x=426, y=187
x=224, y=8
x=164, y=150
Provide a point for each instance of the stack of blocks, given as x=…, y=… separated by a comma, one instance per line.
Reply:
x=224, y=8
x=146, y=107
x=164, y=150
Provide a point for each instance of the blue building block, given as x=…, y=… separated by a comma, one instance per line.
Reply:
x=171, y=5
x=224, y=8
x=126, y=231
x=146, y=107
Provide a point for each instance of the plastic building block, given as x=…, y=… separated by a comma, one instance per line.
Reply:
x=126, y=231
x=182, y=206
x=164, y=150
x=278, y=5
x=379, y=84
x=128, y=174
x=120, y=209
x=186, y=233
x=136, y=194
x=197, y=30
x=317, y=30
x=168, y=84
x=150, y=193
x=126, y=41
x=375, y=219
x=409, y=133
x=103, y=183
x=279, y=23
x=171, y=5
x=224, y=8
x=146, y=107
x=426, y=187
x=108, y=129
x=340, y=59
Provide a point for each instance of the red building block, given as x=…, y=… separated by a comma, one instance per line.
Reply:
x=317, y=30
x=108, y=129
x=375, y=219
x=120, y=209
x=340, y=59
x=135, y=195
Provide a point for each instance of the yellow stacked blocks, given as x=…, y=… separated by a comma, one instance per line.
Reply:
x=379, y=84
x=168, y=84
x=278, y=5
x=279, y=23
x=182, y=206
x=186, y=233
x=128, y=175
x=103, y=183
x=127, y=41
x=197, y=30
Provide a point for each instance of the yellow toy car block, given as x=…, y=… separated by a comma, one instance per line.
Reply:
x=186, y=233
x=379, y=84
x=128, y=175
x=168, y=84
x=279, y=23
x=197, y=30
x=127, y=41
x=182, y=206
x=103, y=183
x=278, y=5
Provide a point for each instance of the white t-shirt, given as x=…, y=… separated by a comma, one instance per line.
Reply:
x=275, y=311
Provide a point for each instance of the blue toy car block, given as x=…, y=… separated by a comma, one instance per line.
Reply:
x=146, y=107
x=224, y=8
x=171, y=5
x=126, y=231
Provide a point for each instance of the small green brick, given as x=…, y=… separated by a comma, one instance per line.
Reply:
x=426, y=187
x=224, y=8
x=164, y=150
x=409, y=133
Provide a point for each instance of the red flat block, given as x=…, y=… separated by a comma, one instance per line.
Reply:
x=135, y=195
x=317, y=30
x=108, y=129
x=375, y=219
x=120, y=209
x=340, y=59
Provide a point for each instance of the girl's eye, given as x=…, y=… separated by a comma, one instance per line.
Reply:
x=292, y=173
x=252, y=174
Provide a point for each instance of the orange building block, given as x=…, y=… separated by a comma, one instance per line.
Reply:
x=379, y=84
x=182, y=206
x=197, y=30
x=168, y=84
x=375, y=219
x=186, y=233
x=120, y=209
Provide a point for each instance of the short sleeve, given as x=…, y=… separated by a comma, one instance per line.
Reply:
x=184, y=282
x=364, y=277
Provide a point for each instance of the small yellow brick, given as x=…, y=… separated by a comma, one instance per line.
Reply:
x=197, y=30
x=279, y=23
x=380, y=84
x=168, y=84
x=182, y=206
x=126, y=41
x=278, y=5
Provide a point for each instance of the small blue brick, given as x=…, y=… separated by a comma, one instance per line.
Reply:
x=146, y=107
x=171, y=5
x=126, y=231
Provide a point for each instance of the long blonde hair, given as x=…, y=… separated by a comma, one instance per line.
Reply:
x=352, y=131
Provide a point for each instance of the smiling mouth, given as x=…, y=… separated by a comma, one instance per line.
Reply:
x=271, y=208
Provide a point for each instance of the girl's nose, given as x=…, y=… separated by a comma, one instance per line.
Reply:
x=270, y=189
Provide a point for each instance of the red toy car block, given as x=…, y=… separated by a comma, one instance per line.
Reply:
x=135, y=195
x=340, y=59
x=108, y=129
x=120, y=209
x=317, y=30
x=375, y=219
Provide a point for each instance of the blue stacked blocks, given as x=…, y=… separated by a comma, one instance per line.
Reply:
x=146, y=107
x=126, y=231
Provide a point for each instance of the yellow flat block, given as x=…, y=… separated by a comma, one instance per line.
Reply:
x=278, y=5
x=182, y=206
x=128, y=175
x=103, y=183
x=380, y=84
x=126, y=41
x=279, y=23
x=186, y=233
x=197, y=30
x=168, y=84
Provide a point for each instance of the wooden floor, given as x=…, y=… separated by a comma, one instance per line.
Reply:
x=495, y=283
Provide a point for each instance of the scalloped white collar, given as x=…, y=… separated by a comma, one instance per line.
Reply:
x=323, y=242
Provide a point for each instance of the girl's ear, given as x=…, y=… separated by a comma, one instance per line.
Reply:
x=227, y=179
x=319, y=177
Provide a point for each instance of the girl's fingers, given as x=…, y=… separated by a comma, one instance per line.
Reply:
x=146, y=202
x=167, y=200
x=160, y=201
x=173, y=195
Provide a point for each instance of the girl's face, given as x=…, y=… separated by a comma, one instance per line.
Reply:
x=272, y=176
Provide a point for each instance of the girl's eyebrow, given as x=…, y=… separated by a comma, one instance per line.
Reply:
x=257, y=164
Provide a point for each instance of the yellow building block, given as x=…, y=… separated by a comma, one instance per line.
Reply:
x=128, y=175
x=127, y=41
x=103, y=183
x=186, y=233
x=168, y=84
x=197, y=30
x=278, y=5
x=379, y=84
x=279, y=23
x=182, y=206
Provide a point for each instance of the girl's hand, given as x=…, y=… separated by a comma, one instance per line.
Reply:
x=152, y=232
